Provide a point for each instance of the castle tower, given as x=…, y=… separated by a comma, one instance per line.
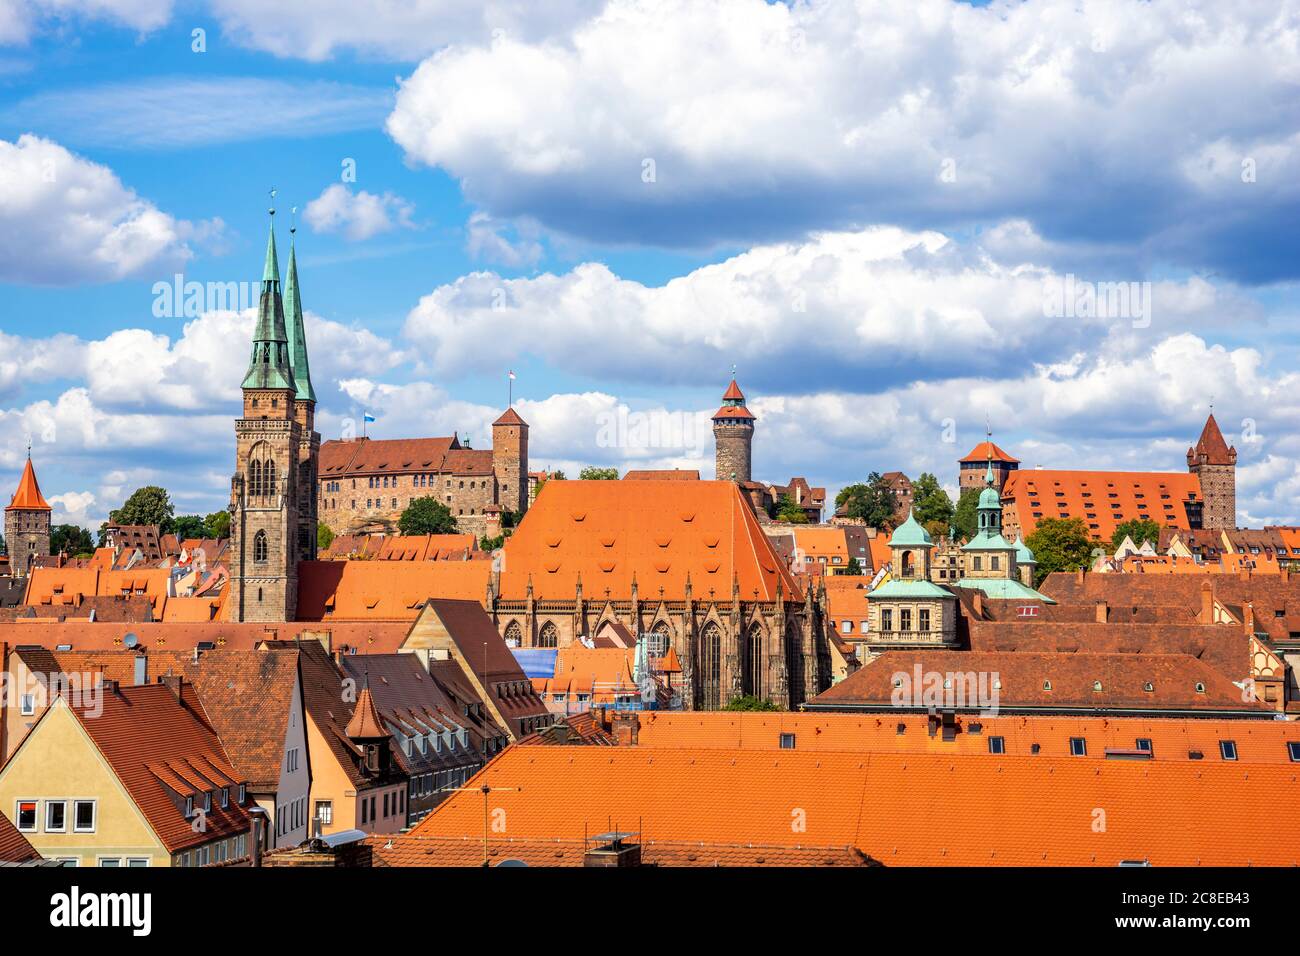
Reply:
x=265, y=491
x=510, y=460
x=304, y=409
x=27, y=523
x=733, y=435
x=1215, y=464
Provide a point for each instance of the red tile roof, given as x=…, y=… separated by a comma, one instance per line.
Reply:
x=662, y=474
x=656, y=532
x=984, y=449
x=1211, y=446
x=370, y=456
x=1101, y=499
x=733, y=393
x=386, y=590
x=28, y=497
x=14, y=847
x=510, y=417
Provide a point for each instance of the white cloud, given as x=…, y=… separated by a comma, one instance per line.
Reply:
x=19, y=19
x=358, y=215
x=487, y=239
x=860, y=311
x=74, y=507
x=763, y=120
x=318, y=29
x=64, y=220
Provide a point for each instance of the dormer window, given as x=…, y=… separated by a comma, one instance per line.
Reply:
x=225, y=797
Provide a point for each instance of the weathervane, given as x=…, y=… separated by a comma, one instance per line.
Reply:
x=293, y=218
x=272, y=194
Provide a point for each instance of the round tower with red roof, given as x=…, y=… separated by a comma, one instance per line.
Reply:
x=27, y=523
x=733, y=434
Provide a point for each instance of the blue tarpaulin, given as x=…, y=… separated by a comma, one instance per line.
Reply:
x=536, y=661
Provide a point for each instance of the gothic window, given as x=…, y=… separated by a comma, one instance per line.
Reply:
x=711, y=667
x=549, y=636
x=259, y=547
x=514, y=637
x=268, y=477
x=255, y=479
x=659, y=639
x=794, y=661
x=754, y=662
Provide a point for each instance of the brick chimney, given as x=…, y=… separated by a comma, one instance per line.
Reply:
x=1248, y=621
x=1207, y=602
x=173, y=683
x=1103, y=612
x=626, y=727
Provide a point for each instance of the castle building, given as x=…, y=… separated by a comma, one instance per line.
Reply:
x=733, y=434
x=989, y=562
x=909, y=610
x=27, y=523
x=1215, y=466
x=271, y=512
x=972, y=466
x=366, y=483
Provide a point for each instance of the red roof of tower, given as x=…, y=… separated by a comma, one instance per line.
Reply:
x=981, y=452
x=733, y=393
x=365, y=723
x=1212, y=445
x=29, y=497
x=510, y=417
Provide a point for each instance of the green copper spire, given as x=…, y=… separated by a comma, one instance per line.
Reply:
x=297, y=330
x=268, y=367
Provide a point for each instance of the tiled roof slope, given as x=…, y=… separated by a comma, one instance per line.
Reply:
x=1079, y=494
x=1025, y=677
x=924, y=809
x=656, y=532
x=662, y=474
x=158, y=746
x=14, y=847
x=984, y=449
x=247, y=696
x=395, y=456
x=1212, y=445
x=368, y=637
x=384, y=590
x=28, y=497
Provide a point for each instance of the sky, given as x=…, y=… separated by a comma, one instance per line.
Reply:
x=1072, y=223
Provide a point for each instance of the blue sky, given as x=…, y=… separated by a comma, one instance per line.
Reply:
x=864, y=207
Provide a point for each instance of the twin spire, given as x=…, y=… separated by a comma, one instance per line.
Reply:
x=279, y=359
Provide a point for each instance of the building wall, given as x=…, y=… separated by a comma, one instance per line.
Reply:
x=734, y=443
x=59, y=761
x=27, y=534
x=308, y=463
x=330, y=782
x=1219, y=492
x=294, y=785
x=349, y=505
x=510, y=463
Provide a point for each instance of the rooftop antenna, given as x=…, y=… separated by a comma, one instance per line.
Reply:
x=485, y=789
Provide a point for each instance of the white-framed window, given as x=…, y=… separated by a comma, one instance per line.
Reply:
x=1228, y=749
x=27, y=705
x=56, y=816
x=137, y=861
x=25, y=816
x=69, y=861
x=225, y=797
x=325, y=812
x=83, y=816
x=189, y=807
x=243, y=794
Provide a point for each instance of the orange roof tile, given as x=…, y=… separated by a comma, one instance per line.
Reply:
x=370, y=456
x=14, y=847
x=1102, y=499
x=656, y=532
x=510, y=417
x=28, y=497
x=662, y=474
x=984, y=449
x=733, y=393
x=385, y=590
x=1212, y=445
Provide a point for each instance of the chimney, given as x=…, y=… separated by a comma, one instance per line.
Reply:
x=173, y=683
x=977, y=602
x=626, y=726
x=257, y=826
x=560, y=731
x=1103, y=612
x=1207, y=602
x=1249, y=619
x=615, y=854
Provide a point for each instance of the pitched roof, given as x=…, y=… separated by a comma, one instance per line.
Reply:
x=925, y=809
x=158, y=745
x=367, y=456
x=28, y=497
x=657, y=533
x=14, y=847
x=510, y=417
x=1071, y=682
x=982, y=451
x=385, y=590
x=733, y=393
x=367, y=637
x=662, y=474
x=1211, y=445
x=365, y=724
x=1102, y=499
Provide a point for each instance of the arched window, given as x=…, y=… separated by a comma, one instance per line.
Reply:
x=549, y=636
x=514, y=636
x=269, y=478
x=711, y=667
x=909, y=565
x=659, y=640
x=754, y=662
x=255, y=479
x=794, y=662
x=259, y=547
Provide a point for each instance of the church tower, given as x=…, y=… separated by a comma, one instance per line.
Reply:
x=1215, y=464
x=733, y=436
x=27, y=523
x=304, y=409
x=266, y=491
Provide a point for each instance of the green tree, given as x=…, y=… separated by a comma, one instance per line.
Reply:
x=491, y=544
x=592, y=473
x=789, y=512
x=1060, y=544
x=324, y=536
x=872, y=502
x=930, y=503
x=750, y=702
x=965, y=519
x=217, y=525
x=189, y=526
x=1139, y=529
x=853, y=567
x=147, y=505
x=71, y=538
x=426, y=516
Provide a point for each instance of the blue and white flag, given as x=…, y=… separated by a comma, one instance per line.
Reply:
x=368, y=417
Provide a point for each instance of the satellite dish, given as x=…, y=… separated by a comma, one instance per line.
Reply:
x=512, y=863
x=130, y=641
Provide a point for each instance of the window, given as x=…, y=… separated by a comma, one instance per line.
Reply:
x=1228, y=749
x=923, y=619
x=886, y=619
x=56, y=816
x=365, y=809
x=110, y=861
x=83, y=819
x=904, y=619
x=787, y=741
x=1293, y=750
x=1144, y=744
x=26, y=816
x=27, y=705
x=137, y=861
x=846, y=627
x=997, y=745
x=1078, y=747
x=325, y=812
x=259, y=547
x=225, y=797
x=243, y=794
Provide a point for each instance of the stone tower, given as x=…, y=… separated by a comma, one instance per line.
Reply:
x=266, y=492
x=1215, y=464
x=733, y=434
x=510, y=460
x=27, y=523
x=304, y=410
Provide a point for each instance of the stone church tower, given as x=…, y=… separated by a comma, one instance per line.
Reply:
x=1215, y=464
x=510, y=461
x=733, y=435
x=271, y=493
x=27, y=523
